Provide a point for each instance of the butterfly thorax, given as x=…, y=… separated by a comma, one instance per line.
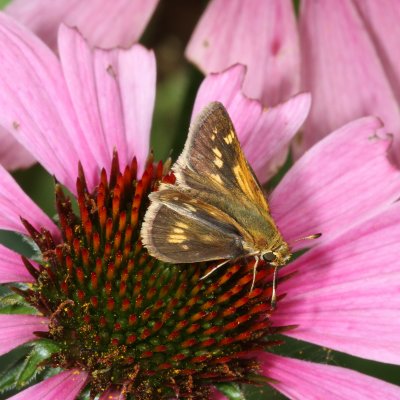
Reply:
x=264, y=238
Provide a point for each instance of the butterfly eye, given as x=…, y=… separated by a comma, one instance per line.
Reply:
x=269, y=256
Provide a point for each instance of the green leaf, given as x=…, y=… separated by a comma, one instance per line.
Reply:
x=25, y=366
x=13, y=303
x=231, y=390
x=85, y=394
x=3, y=3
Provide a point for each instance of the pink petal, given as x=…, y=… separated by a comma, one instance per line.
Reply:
x=263, y=133
x=346, y=294
x=35, y=104
x=381, y=20
x=96, y=19
x=260, y=34
x=14, y=204
x=117, y=91
x=18, y=329
x=12, y=269
x=12, y=154
x=266, y=147
x=342, y=70
x=299, y=379
x=66, y=386
x=338, y=183
x=137, y=74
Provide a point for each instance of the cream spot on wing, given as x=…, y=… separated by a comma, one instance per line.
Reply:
x=218, y=162
x=181, y=225
x=190, y=207
x=241, y=180
x=212, y=137
x=217, y=152
x=185, y=247
x=176, y=238
x=178, y=230
x=229, y=138
x=216, y=178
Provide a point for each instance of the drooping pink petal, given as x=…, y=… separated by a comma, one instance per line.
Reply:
x=346, y=294
x=14, y=204
x=263, y=133
x=12, y=269
x=66, y=386
x=35, y=104
x=96, y=19
x=62, y=127
x=381, y=20
x=117, y=91
x=259, y=34
x=12, y=154
x=338, y=183
x=299, y=379
x=18, y=329
x=342, y=70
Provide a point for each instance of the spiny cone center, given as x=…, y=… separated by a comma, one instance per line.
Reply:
x=150, y=329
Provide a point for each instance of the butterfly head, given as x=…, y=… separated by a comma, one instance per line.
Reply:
x=277, y=256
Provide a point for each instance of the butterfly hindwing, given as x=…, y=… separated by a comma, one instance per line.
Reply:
x=178, y=227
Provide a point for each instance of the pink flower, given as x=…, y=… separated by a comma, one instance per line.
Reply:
x=259, y=34
x=349, y=65
x=91, y=104
x=347, y=51
x=105, y=24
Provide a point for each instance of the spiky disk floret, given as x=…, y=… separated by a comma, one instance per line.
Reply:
x=132, y=322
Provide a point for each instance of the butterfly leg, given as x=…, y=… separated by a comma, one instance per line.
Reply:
x=214, y=269
x=273, y=296
x=254, y=273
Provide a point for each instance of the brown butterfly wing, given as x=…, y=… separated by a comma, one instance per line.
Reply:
x=181, y=229
x=216, y=200
x=213, y=161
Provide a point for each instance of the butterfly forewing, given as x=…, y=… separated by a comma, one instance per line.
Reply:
x=212, y=160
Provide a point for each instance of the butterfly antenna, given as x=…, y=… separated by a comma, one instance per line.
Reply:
x=214, y=269
x=310, y=237
x=254, y=273
x=273, y=296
